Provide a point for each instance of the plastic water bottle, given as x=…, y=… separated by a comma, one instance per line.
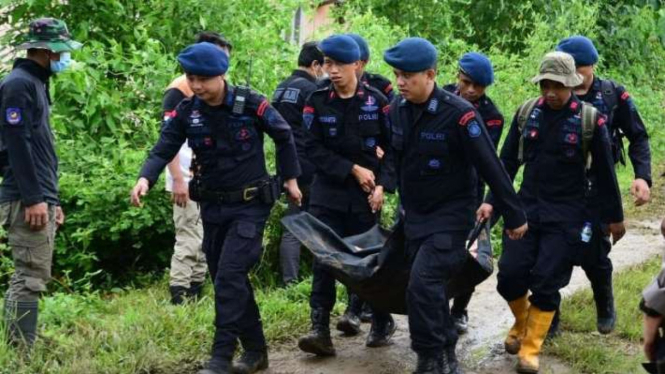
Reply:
x=586, y=232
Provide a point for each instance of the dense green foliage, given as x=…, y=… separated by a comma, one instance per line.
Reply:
x=106, y=113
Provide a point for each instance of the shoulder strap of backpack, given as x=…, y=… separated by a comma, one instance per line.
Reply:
x=589, y=115
x=609, y=91
x=522, y=116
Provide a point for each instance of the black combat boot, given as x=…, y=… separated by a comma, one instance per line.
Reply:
x=251, y=361
x=349, y=323
x=366, y=315
x=604, y=298
x=428, y=364
x=383, y=328
x=450, y=365
x=195, y=290
x=178, y=294
x=318, y=340
x=217, y=366
x=461, y=321
x=21, y=317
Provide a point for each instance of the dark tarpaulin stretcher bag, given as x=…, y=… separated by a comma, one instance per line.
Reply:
x=374, y=264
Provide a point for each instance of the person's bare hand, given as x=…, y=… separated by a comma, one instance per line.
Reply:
x=59, y=216
x=640, y=191
x=617, y=230
x=376, y=199
x=365, y=178
x=180, y=195
x=293, y=191
x=140, y=189
x=37, y=216
x=484, y=212
x=518, y=233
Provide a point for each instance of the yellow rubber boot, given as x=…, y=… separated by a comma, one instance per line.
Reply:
x=537, y=326
x=520, y=309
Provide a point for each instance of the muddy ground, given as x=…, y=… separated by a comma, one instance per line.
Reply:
x=481, y=350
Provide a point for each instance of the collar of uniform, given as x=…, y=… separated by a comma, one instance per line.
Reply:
x=229, y=96
x=433, y=103
x=359, y=95
x=33, y=68
x=303, y=74
x=482, y=101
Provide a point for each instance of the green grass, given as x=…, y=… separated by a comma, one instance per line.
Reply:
x=584, y=348
x=138, y=331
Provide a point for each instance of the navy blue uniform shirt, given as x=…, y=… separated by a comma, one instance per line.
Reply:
x=623, y=117
x=438, y=146
x=344, y=132
x=289, y=99
x=227, y=147
x=32, y=175
x=554, y=183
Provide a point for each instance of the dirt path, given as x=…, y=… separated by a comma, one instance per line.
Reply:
x=481, y=349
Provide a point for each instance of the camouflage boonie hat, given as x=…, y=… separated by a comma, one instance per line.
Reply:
x=51, y=34
x=559, y=67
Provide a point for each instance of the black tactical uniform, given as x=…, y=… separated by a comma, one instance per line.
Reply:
x=623, y=120
x=493, y=121
x=344, y=133
x=439, y=146
x=553, y=191
x=289, y=99
x=232, y=184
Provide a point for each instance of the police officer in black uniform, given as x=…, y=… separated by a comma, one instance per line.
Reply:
x=289, y=99
x=553, y=136
x=439, y=142
x=225, y=130
x=475, y=75
x=346, y=123
x=375, y=80
x=623, y=120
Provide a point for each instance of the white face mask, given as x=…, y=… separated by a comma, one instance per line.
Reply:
x=61, y=65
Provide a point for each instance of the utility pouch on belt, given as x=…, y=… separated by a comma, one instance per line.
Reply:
x=271, y=191
x=195, y=189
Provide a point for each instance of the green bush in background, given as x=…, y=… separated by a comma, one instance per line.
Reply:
x=107, y=109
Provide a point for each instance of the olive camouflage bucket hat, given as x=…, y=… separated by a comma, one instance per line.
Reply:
x=559, y=67
x=51, y=34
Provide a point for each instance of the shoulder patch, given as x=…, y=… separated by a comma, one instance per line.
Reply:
x=474, y=129
x=464, y=120
x=262, y=108
x=389, y=88
x=494, y=123
x=602, y=119
x=13, y=116
x=169, y=114
x=290, y=95
x=385, y=109
x=625, y=96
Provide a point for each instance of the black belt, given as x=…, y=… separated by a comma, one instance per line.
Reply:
x=244, y=195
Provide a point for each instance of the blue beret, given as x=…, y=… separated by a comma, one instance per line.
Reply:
x=581, y=48
x=341, y=48
x=411, y=55
x=478, y=67
x=204, y=59
x=362, y=44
